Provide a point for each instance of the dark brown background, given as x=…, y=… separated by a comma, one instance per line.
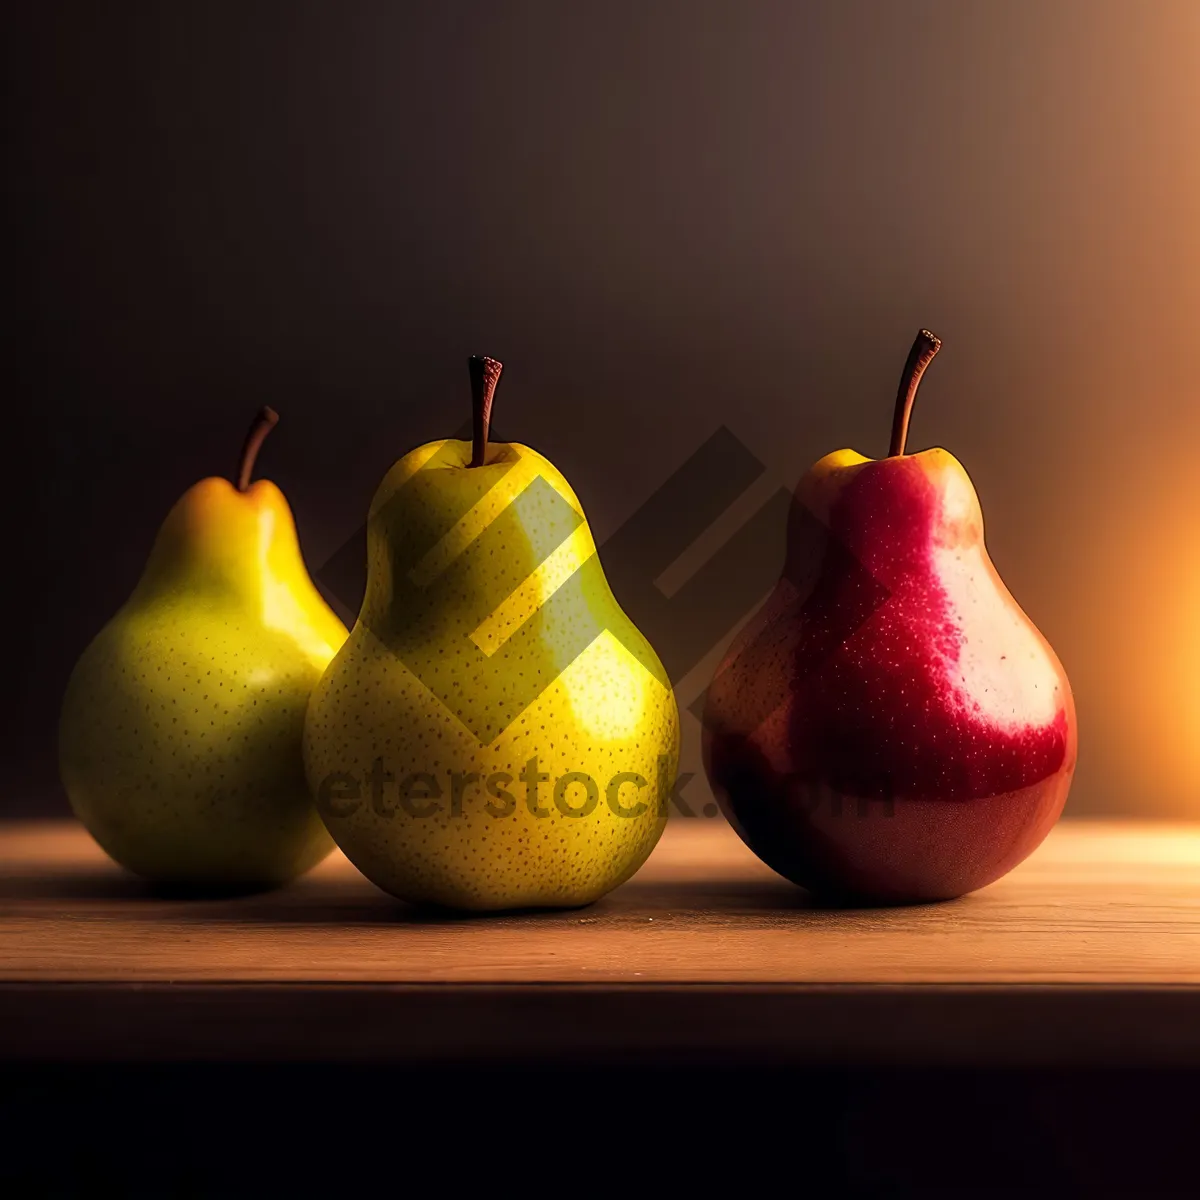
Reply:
x=663, y=217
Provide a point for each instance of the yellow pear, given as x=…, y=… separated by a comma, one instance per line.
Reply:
x=180, y=733
x=495, y=733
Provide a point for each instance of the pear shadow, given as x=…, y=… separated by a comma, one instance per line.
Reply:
x=755, y=900
x=719, y=898
x=345, y=902
x=857, y=904
x=78, y=885
x=385, y=912
x=765, y=896
x=102, y=884
x=438, y=914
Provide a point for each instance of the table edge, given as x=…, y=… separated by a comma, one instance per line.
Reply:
x=818, y=1025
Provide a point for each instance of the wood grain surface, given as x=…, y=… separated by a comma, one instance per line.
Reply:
x=1090, y=951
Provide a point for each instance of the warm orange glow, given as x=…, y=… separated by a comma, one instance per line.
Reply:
x=1139, y=639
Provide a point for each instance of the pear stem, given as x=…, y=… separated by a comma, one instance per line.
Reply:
x=919, y=357
x=485, y=374
x=263, y=423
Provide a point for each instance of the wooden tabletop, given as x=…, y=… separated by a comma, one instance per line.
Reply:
x=1089, y=953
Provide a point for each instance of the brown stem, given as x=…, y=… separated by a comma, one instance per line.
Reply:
x=919, y=357
x=485, y=374
x=263, y=423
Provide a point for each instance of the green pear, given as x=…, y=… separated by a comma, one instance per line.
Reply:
x=495, y=733
x=180, y=733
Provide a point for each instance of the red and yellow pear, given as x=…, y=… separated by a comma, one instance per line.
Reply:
x=890, y=727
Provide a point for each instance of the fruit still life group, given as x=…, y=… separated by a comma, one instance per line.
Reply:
x=495, y=734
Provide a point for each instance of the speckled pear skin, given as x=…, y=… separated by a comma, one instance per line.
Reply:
x=411, y=702
x=180, y=732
